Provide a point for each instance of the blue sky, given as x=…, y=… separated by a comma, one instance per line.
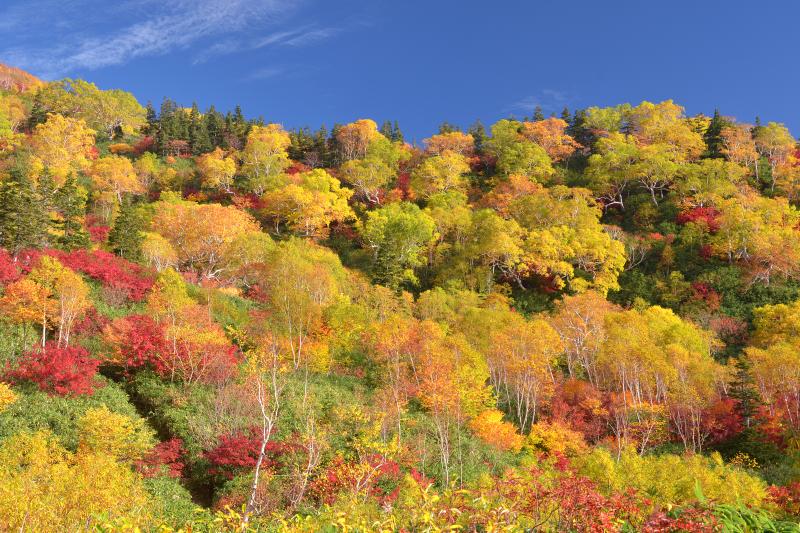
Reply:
x=307, y=62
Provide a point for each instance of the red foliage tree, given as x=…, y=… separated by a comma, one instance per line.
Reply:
x=145, y=144
x=729, y=329
x=706, y=293
x=722, y=420
x=90, y=323
x=239, y=452
x=65, y=371
x=165, y=458
x=98, y=234
x=771, y=426
x=688, y=520
x=9, y=272
x=581, y=406
x=570, y=502
x=140, y=343
x=706, y=215
x=787, y=498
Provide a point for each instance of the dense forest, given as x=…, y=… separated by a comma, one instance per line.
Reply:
x=582, y=322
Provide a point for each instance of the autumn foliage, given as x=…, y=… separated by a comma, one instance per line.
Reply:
x=65, y=371
x=578, y=323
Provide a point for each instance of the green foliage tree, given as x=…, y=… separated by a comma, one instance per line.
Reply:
x=397, y=234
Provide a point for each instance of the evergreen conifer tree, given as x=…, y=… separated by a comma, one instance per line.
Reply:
x=386, y=129
x=199, y=140
x=23, y=219
x=125, y=238
x=70, y=201
x=397, y=135
x=478, y=132
x=713, y=136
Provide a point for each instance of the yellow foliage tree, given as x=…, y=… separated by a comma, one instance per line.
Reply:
x=7, y=396
x=217, y=170
x=103, y=432
x=201, y=233
x=454, y=141
x=69, y=292
x=354, y=138
x=309, y=203
x=491, y=429
x=115, y=175
x=43, y=487
x=440, y=173
x=264, y=156
x=63, y=145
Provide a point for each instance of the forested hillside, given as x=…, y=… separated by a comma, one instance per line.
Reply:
x=588, y=322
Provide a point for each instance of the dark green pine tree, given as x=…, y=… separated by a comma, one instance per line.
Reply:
x=334, y=149
x=199, y=140
x=538, y=114
x=743, y=389
x=38, y=113
x=23, y=220
x=565, y=115
x=182, y=124
x=214, y=126
x=166, y=130
x=756, y=127
x=321, y=144
x=478, y=133
x=446, y=127
x=577, y=128
x=239, y=125
x=46, y=191
x=301, y=143
x=152, y=119
x=713, y=136
x=386, y=129
x=125, y=238
x=70, y=202
x=397, y=134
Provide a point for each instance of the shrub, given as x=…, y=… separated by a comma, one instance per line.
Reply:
x=166, y=458
x=65, y=371
x=671, y=479
x=112, y=271
x=8, y=268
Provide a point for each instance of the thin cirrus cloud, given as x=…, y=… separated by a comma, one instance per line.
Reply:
x=88, y=42
x=302, y=36
x=548, y=99
x=266, y=73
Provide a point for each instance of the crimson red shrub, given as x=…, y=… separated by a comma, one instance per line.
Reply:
x=110, y=270
x=9, y=272
x=707, y=215
x=165, y=458
x=238, y=453
x=140, y=343
x=65, y=371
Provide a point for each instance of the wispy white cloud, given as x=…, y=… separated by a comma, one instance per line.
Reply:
x=548, y=99
x=157, y=28
x=228, y=46
x=265, y=73
x=312, y=36
x=302, y=36
x=279, y=37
